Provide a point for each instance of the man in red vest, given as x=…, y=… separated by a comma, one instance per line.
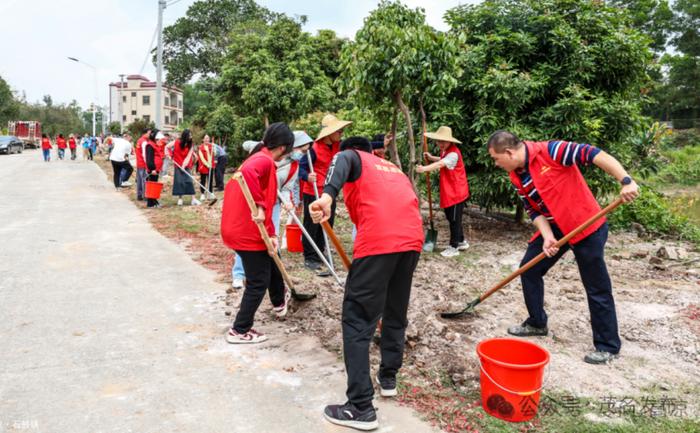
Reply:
x=558, y=200
x=454, y=188
x=380, y=277
x=321, y=153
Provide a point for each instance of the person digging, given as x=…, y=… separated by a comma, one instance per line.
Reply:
x=312, y=171
x=385, y=254
x=454, y=188
x=557, y=199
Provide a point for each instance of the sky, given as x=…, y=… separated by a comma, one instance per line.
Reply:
x=114, y=37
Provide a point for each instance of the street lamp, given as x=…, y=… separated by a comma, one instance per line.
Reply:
x=94, y=70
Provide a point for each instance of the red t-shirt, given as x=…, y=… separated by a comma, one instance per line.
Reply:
x=138, y=150
x=45, y=143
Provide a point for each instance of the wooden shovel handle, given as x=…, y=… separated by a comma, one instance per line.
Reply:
x=263, y=233
x=609, y=208
x=336, y=242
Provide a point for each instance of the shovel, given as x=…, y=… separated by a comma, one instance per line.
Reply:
x=325, y=237
x=328, y=230
x=268, y=243
x=470, y=307
x=431, y=233
x=313, y=244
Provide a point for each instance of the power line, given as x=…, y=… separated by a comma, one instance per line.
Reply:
x=150, y=48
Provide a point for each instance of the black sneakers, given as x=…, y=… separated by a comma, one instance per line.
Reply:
x=312, y=266
x=387, y=386
x=348, y=415
x=526, y=330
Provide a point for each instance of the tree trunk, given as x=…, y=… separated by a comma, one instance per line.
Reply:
x=266, y=120
x=411, y=142
x=393, y=151
x=424, y=140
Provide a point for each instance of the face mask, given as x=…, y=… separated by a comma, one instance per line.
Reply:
x=296, y=155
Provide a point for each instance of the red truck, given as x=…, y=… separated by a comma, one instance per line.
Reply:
x=27, y=131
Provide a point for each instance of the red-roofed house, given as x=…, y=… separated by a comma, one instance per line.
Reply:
x=137, y=101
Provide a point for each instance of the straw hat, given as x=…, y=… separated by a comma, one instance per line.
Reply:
x=444, y=133
x=331, y=124
x=301, y=138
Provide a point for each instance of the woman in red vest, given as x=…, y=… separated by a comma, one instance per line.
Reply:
x=182, y=150
x=206, y=163
x=558, y=200
x=385, y=254
x=141, y=169
x=240, y=233
x=46, y=147
x=72, y=145
x=154, y=161
x=323, y=150
x=61, y=144
x=454, y=188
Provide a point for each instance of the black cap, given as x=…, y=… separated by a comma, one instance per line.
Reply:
x=358, y=143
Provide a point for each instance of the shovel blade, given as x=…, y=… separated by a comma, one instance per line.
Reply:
x=302, y=296
x=467, y=311
x=430, y=240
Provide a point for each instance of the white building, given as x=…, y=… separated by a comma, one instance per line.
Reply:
x=137, y=101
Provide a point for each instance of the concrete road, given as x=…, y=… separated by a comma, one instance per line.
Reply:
x=107, y=326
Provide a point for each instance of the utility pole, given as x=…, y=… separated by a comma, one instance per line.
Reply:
x=159, y=65
x=120, y=94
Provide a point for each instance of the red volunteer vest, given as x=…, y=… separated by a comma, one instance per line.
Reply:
x=324, y=156
x=45, y=143
x=61, y=143
x=138, y=150
x=454, y=187
x=562, y=189
x=180, y=154
x=238, y=231
x=157, y=154
x=384, y=208
x=206, y=158
x=71, y=143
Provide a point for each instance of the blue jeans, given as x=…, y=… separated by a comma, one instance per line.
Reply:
x=140, y=182
x=237, y=272
x=61, y=153
x=589, y=254
x=47, y=154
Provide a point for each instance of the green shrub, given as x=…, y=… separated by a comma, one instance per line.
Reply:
x=683, y=138
x=683, y=166
x=652, y=211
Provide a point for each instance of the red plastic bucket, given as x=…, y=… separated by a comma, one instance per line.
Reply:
x=153, y=189
x=511, y=377
x=294, y=238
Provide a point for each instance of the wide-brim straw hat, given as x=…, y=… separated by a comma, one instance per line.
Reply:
x=331, y=124
x=444, y=133
x=301, y=138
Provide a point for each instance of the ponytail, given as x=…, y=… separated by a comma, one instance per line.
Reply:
x=276, y=135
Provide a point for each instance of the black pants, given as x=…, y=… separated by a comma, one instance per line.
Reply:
x=221, y=162
x=203, y=179
x=261, y=274
x=377, y=286
x=72, y=153
x=589, y=254
x=315, y=231
x=121, y=172
x=454, y=218
x=151, y=201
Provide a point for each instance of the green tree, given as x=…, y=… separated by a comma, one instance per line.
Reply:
x=545, y=69
x=9, y=108
x=138, y=126
x=114, y=128
x=197, y=42
x=397, y=58
x=651, y=17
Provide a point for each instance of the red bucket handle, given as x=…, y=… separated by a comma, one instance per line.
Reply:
x=520, y=393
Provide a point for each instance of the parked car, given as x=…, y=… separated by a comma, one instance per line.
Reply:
x=10, y=144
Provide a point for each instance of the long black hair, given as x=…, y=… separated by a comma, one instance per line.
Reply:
x=185, y=139
x=276, y=135
x=152, y=135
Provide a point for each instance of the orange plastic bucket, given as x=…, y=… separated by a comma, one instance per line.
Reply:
x=294, y=239
x=153, y=189
x=511, y=377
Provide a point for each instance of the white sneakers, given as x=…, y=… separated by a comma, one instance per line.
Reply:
x=450, y=252
x=202, y=197
x=195, y=202
x=281, y=310
x=250, y=337
x=179, y=202
x=463, y=245
x=126, y=184
x=237, y=283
